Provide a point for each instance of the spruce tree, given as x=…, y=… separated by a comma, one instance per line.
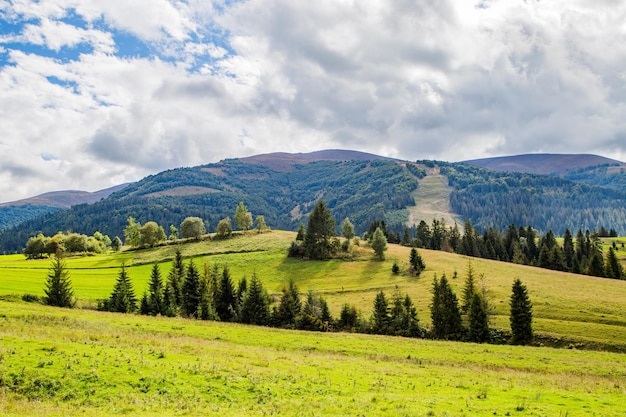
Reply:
x=320, y=229
x=176, y=277
x=255, y=306
x=468, y=289
x=155, y=292
x=569, y=252
x=122, y=299
x=445, y=314
x=144, y=306
x=614, y=267
x=416, y=261
x=521, y=315
x=191, y=291
x=225, y=305
x=170, y=308
x=478, y=320
x=289, y=307
x=381, y=320
x=58, y=289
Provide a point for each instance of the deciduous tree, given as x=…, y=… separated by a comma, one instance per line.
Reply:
x=192, y=227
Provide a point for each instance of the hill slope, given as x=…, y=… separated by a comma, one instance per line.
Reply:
x=15, y=212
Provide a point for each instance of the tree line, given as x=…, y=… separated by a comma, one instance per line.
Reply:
x=211, y=294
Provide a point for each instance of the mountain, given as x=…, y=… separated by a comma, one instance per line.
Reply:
x=588, y=169
x=364, y=187
x=15, y=212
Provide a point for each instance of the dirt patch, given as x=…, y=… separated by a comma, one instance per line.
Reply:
x=183, y=191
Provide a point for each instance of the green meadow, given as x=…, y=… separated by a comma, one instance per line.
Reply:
x=60, y=362
x=568, y=308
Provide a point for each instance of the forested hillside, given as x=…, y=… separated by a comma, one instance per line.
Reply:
x=363, y=190
x=498, y=199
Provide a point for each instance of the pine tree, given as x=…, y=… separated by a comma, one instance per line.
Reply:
x=445, y=314
x=521, y=315
x=176, y=277
x=170, y=307
x=320, y=229
x=191, y=291
x=225, y=305
x=122, y=299
x=155, y=292
x=416, y=261
x=255, y=306
x=379, y=243
x=144, y=306
x=289, y=307
x=300, y=234
x=614, y=267
x=58, y=289
x=348, y=317
x=380, y=317
x=568, y=250
x=478, y=320
x=468, y=289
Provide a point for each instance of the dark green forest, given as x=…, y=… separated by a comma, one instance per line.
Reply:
x=491, y=199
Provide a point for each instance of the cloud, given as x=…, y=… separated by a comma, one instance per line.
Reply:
x=117, y=90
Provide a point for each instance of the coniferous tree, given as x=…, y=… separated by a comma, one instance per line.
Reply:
x=416, y=262
x=469, y=289
x=614, y=267
x=226, y=303
x=176, y=277
x=144, y=306
x=569, y=251
x=255, y=306
x=300, y=234
x=403, y=316
x=289, y=307
x=445, y=314
x=348, y=317
x=155, y=292
x=122, y=299
x=170, y=307
x=58, y=289
x=478, y=330
x=521, y=315
x=191, y=291
x=315, y=315
x=116, y=244
x=380, y=316
x=320, y=229
x=241, y=291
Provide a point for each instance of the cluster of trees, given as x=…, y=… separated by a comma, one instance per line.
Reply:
x=65, y=243
x=151, y=234
x=319, y=241
x=210, y=294
x=581, y=255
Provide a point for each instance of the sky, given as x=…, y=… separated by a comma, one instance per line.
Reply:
x=97, y=93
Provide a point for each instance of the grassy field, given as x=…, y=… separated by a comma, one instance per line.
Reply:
x=58, y=362
x=568, y=308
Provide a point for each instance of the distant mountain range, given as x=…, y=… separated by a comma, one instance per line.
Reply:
x=365, y=187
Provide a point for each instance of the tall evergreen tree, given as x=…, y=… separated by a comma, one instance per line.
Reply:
x=58, y=289
x=569, y=251
x=255, y=306
x=170, y=308
x=614, y=267
x=320, y=229
x=380, y=316
x=226, y=303
x=176, y=278
x=478, y=330
x=289, y=307
x=416, y=262
x=155, y=292
x=315, y=314
x=521, y=315
x=469, y=289
x=122, y=299
x=445, y=314
x=191, y=291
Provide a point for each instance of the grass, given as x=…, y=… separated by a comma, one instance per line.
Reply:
x=568, y=309
x=58, y=362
